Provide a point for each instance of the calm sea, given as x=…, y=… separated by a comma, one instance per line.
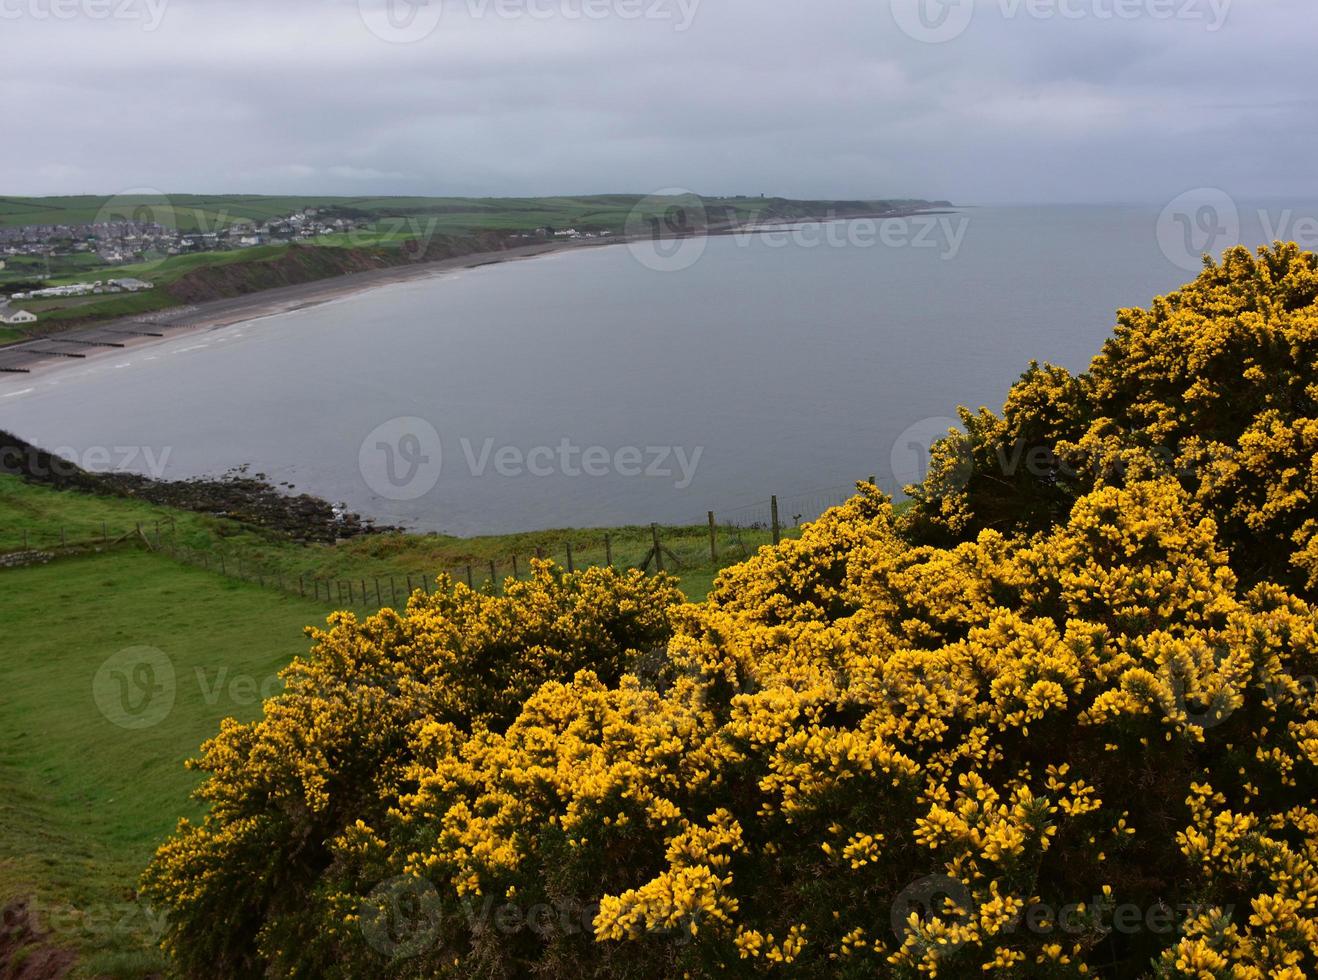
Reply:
x=592, y=388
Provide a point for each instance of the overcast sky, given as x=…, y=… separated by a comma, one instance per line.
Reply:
x=999, y=101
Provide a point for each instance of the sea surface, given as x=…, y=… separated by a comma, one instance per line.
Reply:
x=625, y=385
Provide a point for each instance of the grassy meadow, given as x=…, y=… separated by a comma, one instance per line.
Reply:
x=85, y=801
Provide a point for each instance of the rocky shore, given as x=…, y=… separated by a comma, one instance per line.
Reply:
x=248, y=498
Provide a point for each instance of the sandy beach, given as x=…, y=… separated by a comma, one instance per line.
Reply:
x=155, y=328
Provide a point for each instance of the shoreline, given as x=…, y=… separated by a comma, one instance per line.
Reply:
x=134, y=333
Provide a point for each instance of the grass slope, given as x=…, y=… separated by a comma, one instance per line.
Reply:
x=42, y=518
x=85, y=802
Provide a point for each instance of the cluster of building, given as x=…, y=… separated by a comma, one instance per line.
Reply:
x=563, y=233
x=120, y=242
x=87, y=289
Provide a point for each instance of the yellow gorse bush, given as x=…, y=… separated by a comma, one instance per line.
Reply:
x=1074, y=745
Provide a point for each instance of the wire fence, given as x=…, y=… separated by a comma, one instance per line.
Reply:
x=725, y=538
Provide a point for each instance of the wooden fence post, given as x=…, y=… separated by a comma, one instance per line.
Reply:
x=658, y=549
x=570, y=567
x=471, y=583
x=608, y=551
x=773, y=511
x=515, y=572
x=713, y=539
x=494, y=577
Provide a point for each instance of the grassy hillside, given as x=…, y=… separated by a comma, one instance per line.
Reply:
x=43, y=518
x=85, y=801
x=206, y=212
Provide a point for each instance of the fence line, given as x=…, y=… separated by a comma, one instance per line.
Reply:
x=726, y=541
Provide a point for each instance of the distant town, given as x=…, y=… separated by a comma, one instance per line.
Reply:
x=124, y=242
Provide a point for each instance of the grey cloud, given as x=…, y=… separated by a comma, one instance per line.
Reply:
x=829, y=98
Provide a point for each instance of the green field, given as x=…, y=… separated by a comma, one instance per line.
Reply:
x=37, y=517
x=200, y=212
x=85, y=800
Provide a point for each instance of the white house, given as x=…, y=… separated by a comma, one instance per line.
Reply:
x=9, y=316
x=132, y=285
